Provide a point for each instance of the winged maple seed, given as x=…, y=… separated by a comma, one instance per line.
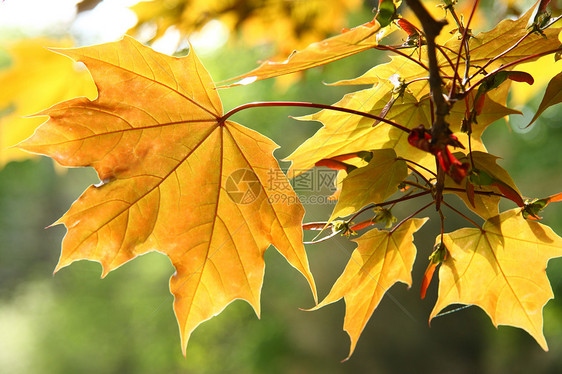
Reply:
x=170, y=166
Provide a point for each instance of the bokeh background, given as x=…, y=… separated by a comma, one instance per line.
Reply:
x=75, y=322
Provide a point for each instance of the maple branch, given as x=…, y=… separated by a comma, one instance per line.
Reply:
x=418, y=165
x=442, y=219
x=464, y=42
x=258, y=104
x=507, y=66
x=481, y=69
x=431, y=29
x=389, y=202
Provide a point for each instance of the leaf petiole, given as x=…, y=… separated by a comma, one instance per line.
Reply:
x=412, y=215
x=258, y=104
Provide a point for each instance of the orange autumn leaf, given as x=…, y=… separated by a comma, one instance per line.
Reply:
x=501, y=268
x=381, y=259
x=176, y=178
x=358, y=39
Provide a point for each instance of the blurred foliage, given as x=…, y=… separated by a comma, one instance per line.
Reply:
x=289, y=25
x=35, y=78
x=76, y=323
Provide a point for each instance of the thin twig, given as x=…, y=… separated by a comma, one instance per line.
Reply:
x=462, y=215
x=390, y=48
x=417, y=185
x=431, y=29
x=523, y=59
x=487, y=193
x=464, y=42
x=418, y=165
x=421, y=176
x=389, y=202
x=411, y=216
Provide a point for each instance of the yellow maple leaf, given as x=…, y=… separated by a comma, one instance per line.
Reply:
x=345, y=133
x=500, y=268
x=381, y=259
x=373, y=183
x=356, y=40
x=36, y=79
x=176, y=178
x=543, y=70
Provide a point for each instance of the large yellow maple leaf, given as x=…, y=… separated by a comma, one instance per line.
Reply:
x=501, y=268
x=381, y=259
x=176, y=178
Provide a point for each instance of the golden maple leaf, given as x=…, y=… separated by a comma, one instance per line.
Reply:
x=176, y=178
x=356, y=40
x=552, y=96
x=500, y=268
x=373, y=183
x=381, y=259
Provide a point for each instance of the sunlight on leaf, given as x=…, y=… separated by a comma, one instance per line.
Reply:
x=373, y=183
x=381, y=259
x=358, y=39
x=501, y=268
x=175, y=179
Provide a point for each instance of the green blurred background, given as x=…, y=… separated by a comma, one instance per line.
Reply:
x=75, y=322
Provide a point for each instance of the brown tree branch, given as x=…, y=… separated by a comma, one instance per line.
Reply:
x=432, y=28
x=440, y=128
